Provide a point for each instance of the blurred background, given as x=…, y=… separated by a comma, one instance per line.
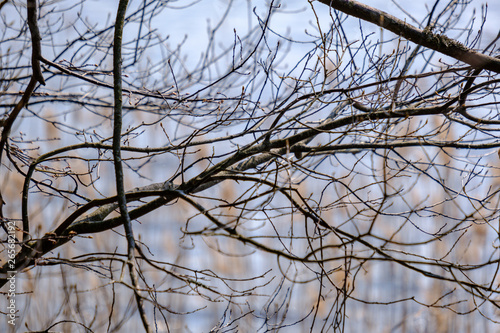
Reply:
x=203, y=79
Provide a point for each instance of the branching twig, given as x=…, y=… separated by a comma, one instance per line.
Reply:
x=425, y=38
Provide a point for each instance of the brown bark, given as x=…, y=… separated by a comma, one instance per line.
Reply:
x=425, y=38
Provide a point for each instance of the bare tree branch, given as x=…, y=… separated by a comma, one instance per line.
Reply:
x=426, y=38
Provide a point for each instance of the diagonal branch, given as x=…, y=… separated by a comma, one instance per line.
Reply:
x=436, y=42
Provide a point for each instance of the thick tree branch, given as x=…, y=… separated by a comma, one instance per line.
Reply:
x=117, y=136
x=36, y=54
x=37, y=76
x=437, y=42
